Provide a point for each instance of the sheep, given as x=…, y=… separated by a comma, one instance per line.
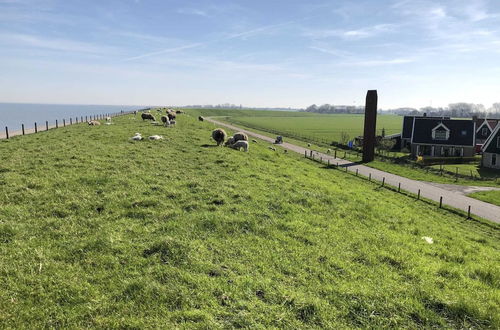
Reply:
x=200, y=118
x=285, y=151
x=254, y=141
x=230, y=141
x=135, y=112
x=156, y=137
x=108, y=119
x=94, y=123
x=136, y=137
x=240, y=136
x=219, y=135
x=179, y=111
x=165, y=120
x=240, y=144
x=309, y=145
x=172, y=122
x=147, y=116
x=171, y=116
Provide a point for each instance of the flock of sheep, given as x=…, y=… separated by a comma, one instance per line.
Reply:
x=238, y=141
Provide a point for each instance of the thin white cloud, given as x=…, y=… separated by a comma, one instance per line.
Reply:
x=366, y=32
x=164, y=51
x=56, y=44
x=192, y=11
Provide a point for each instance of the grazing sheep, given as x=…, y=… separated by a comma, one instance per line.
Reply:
x=230, y=141
x=219, y=135
x=179, y=111
x=147, y=116
x=279, y=140
x=94, y=123
x=135, y=112
x=200, y=118
x=108, y=119
x=171, y=116
x=156, y=137
x=240, y=136
x=137, y=137
x=240, y=144
x=165, y=120
x=254, y=141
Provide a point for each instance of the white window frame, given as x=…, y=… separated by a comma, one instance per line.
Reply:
x=447, y=132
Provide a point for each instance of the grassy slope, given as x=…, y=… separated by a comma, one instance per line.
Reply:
x=492, y=197
x=96, y=230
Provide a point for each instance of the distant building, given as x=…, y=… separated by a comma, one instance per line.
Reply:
x=484, y=128
x=438, y=137
x=407, y=131
x=491, y=150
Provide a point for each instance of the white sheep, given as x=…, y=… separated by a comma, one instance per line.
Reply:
x=108, y=119
x=240, y=144
x=156, y=137
x=137, y=137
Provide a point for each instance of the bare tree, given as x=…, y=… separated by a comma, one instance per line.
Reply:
x=344, y=138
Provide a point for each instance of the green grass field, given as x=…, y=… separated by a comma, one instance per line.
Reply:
x=492, y=197
x=100, y=231
x=321, y=129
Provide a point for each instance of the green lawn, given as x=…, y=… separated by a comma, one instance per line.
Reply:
x=100, y=231
x=492, y=197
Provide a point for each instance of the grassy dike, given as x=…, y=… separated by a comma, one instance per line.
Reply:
x=97, y=230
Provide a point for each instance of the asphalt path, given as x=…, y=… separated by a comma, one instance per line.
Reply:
x=454, y=199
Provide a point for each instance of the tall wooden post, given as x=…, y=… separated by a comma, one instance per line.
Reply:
x=370, y=126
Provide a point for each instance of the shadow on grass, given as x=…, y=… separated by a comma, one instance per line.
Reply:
x=209, y=146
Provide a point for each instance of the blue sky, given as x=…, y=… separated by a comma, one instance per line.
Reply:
x=258, y=53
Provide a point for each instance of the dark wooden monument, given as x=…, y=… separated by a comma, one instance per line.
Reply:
x=370, y=126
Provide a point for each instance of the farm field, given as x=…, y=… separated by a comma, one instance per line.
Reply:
x=99, y=231
x=321, y=129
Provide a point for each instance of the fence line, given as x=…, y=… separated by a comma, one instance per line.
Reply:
x=24, y=131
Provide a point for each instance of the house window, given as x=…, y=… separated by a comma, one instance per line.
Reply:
x=493, y=159
x=484, y=131
x=440, y=135
x=498, y=142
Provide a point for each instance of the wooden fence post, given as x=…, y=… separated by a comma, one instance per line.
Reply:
x=370, y=177
x=7, y=132
x=357, y=171
x=57, y=125
x=441, y=202
x=22, y=126
x=399, y=187
x=468, y=213
x=335, y=153
x=418, y=196
x=64, y=122
x=71, y=121
x=46, y=125
x=383, y=181
x=36, y=129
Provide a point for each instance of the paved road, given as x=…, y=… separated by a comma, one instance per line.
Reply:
x=451, y=198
